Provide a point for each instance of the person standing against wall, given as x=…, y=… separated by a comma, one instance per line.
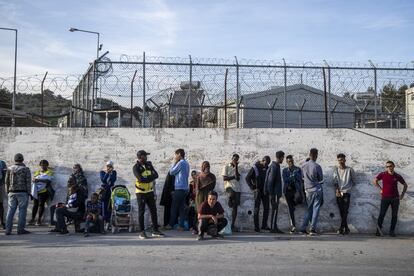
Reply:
x=343, y=178
x=292, y=189
x=3, y=171
x=108, y=179
x=389, y=196
x=181, y=170
x=145, y=175
x=255, y=179
x=18, y=184
x=42, y=180
x=313, y=179
x=231, y=177
x=273, y=188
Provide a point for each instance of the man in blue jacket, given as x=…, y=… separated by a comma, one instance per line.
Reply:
x=273, y=188
x=293, y=189
x=181, y=171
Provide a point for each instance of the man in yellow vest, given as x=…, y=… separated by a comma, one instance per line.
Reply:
x=145, y=175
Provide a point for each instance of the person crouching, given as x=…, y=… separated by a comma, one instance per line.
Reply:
x=94, y=214
x=211, y=217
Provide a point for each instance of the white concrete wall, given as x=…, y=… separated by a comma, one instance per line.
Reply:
x=92, y=147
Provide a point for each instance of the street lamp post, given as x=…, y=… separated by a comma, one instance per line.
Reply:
x=90, y=32
x=14, y=77
x=95, y=79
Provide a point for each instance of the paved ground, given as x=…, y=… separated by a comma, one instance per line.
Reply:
x=179, y=253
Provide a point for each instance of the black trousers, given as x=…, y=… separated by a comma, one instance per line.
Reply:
x=385, y=203
x=343, y=205
x=260, y=198
x=149, y=200
x=274, y=201
x=204, y=224
x=167, y=213
x=39, y=204
x=63, y=212
x=290, y=200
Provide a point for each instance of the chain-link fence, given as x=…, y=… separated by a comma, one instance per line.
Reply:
x=192, y=92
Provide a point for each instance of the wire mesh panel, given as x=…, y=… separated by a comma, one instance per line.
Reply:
x=148, y=91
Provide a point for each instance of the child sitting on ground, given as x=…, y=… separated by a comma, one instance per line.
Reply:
x=94, y=214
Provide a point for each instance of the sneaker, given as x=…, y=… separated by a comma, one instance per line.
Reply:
x=168, y=227
x=31, y=222
x=304, y=232
x=39, y=223
x=23, y=232
x=379, y=232
x=200, y=237
x=313, y=233
x=347, y=231
x=277, y=231
x=143, y=236
x=392, y=234
x=218, y=236
x=7, y=233
x=179, y=228
x=63, y=233
x=235, y=229
x=54, y=230
x=257, y=230
x=292, y=230
x=195, y=232
x=340, y=231
x=266, y=228
x=86, y=234
x=157, y=234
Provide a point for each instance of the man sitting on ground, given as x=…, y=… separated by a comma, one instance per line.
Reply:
x=211, y=217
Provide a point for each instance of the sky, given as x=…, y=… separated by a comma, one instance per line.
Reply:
x=306, y=30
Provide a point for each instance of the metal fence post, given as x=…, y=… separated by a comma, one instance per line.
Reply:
x=329, y=92
x=190, y=89
x=375, y=93
x=132, y=95
x=143, y=91
x=237, y=93
x=225, y=98
x=284, y=94
x=325, y=98
x=42, y=102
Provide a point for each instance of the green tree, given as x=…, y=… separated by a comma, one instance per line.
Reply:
x=393, y=98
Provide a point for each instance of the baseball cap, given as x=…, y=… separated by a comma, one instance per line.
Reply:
x=110, y=163
x=142, y=152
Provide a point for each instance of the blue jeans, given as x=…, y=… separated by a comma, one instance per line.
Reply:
x=20, y=200
x=178, y=207
x=314, y=200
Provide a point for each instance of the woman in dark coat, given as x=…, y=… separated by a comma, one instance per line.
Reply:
x=166, y=197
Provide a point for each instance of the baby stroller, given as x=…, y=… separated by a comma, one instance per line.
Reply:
x=121, y=217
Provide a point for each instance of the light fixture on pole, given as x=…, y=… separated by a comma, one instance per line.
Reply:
x=98, y=47
x=14, y=78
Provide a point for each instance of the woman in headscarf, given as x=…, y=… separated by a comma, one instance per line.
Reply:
x=206, y=182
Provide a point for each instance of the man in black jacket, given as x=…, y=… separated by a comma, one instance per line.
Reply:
x=145, y=175
x=273, y=188
x=256, y=179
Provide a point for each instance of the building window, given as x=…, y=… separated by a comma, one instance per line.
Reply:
x=232, y=118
